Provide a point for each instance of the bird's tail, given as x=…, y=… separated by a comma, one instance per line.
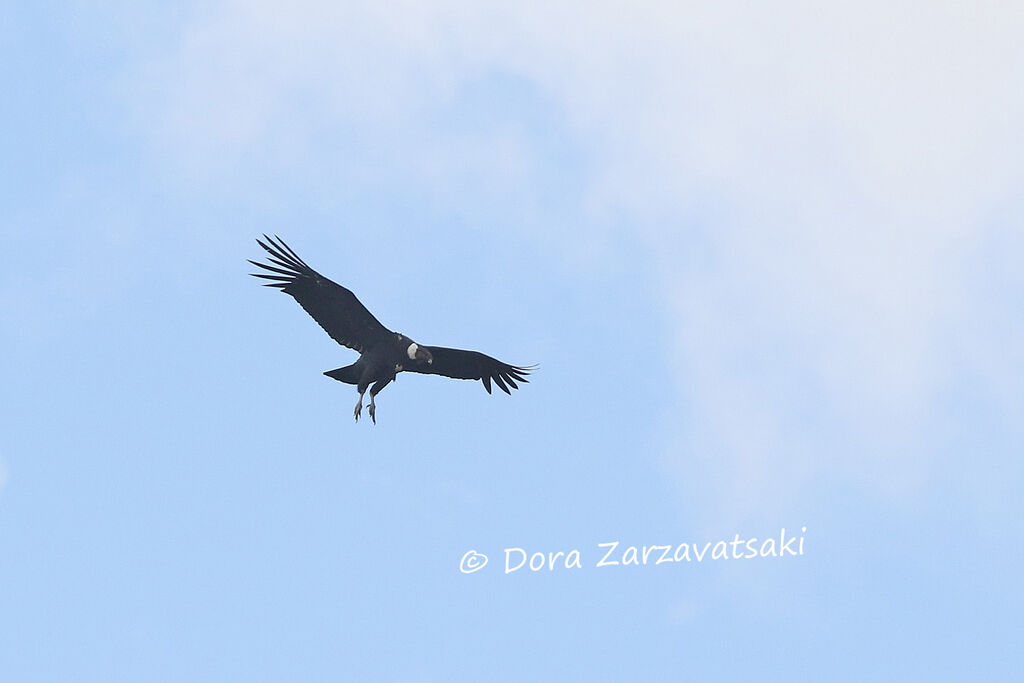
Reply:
x=348, y=374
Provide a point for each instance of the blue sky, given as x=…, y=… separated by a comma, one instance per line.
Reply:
x=769, y=264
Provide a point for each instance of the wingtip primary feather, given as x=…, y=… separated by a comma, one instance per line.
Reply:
x=290, y=274
x=281, y=256
x=291, y=251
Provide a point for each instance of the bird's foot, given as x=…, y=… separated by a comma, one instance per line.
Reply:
x=373, y=412
x=359, y=408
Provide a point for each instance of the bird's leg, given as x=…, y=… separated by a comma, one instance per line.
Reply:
x=374, y=390
x=359, y=406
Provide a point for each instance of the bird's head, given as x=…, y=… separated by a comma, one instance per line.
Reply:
x=417, y=352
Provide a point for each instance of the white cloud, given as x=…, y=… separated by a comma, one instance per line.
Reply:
x=836, y=165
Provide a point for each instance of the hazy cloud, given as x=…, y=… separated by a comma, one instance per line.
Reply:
x=819, y=186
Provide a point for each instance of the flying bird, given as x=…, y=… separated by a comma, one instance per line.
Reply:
x=382, y=353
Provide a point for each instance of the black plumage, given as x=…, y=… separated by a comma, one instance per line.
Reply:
x=383, y=353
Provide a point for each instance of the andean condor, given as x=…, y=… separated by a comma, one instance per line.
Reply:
x=383, y=353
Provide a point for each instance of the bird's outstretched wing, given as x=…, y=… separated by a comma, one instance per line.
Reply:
x=335, y=308
x=460, y=364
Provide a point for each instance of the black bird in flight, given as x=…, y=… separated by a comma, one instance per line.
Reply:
x=383, y=353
